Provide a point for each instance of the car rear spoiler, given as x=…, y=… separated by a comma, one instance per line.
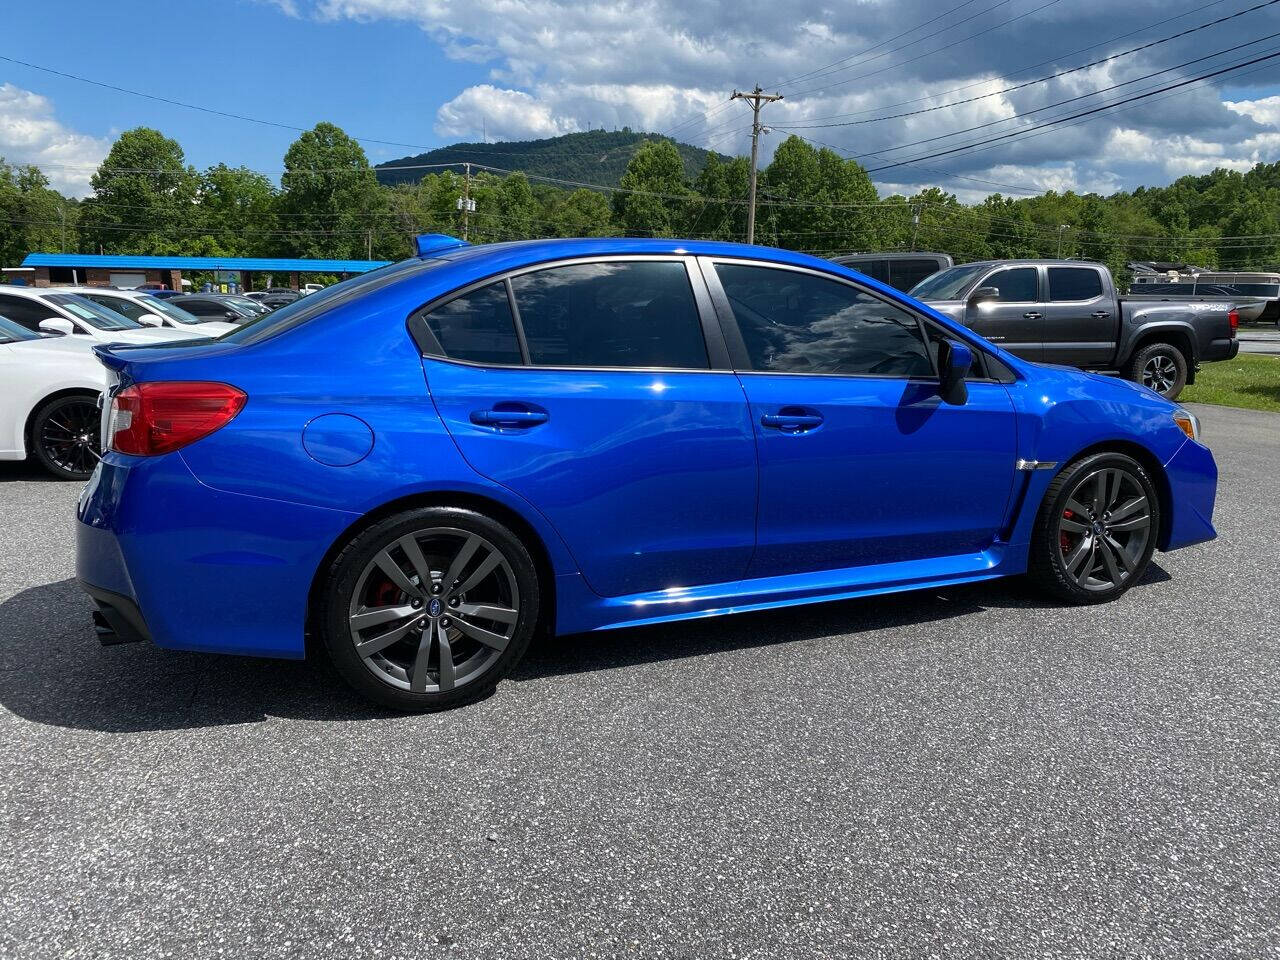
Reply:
x=105, y=352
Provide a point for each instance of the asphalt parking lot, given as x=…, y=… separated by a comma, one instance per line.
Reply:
x=959, y=773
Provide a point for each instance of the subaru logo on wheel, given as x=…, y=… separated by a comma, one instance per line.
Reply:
x=435, y=606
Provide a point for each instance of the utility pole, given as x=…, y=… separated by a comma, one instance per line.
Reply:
x=915, y=225
x=1062, y=229
x=62, y=211
x=465, y=203
x=756, y=98
x=368, y=245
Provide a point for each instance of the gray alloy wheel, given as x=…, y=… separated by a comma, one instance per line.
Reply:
x=65, y=436
x=434, y=610
x=1104, y=529
x=1160, y=373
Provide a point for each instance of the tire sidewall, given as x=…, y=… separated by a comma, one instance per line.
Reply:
x=1059, y=492
x=1173, y=353
x=43, y=413
x=340, y=582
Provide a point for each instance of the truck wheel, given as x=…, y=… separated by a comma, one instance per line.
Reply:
x=1160, y=366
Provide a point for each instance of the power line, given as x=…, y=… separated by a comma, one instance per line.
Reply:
x=1021, y=86
x=1060, y=103
x=1085, y=113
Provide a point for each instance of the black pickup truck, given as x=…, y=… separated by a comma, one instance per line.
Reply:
x=1068, y=312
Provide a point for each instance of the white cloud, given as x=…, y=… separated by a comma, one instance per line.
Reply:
x=669, y=65
x=502, y=114
x=29, y=133
x=1266, y=110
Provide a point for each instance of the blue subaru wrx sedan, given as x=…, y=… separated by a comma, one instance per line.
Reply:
x=422, y=466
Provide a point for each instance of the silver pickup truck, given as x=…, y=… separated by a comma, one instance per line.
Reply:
x=1068, y=312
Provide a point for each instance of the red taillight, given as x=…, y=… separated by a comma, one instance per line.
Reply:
x=152, y=418
x=1234, y=316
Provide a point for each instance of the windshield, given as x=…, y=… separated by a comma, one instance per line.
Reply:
x=253, y=306
x=11, y=332
x=164, y=309
x=91, y=313
x=947, y=284
x=304, y=308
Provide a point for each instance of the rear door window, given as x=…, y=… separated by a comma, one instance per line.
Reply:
x=1074, y=283
x=477, y=327
x=611, y=314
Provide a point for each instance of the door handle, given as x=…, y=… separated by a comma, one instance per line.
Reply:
x=791, y=420
x=1100, y=315
x=509, y=418
x=1032, y=315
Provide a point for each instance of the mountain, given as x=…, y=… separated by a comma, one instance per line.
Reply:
x=596, y=156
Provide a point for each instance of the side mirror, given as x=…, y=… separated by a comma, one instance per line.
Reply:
x=58, y=326
x=984, y=295
x=150, y=320
x=231, y=315
x=955, y=360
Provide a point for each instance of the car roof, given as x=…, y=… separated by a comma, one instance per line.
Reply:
x=892, y=255
x=524, y=252
x=1031, y=262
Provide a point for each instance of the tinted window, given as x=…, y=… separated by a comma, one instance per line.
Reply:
x=161, y=308
x=947, y=284
x=203, y=308
x=119, y=305
x=637, y=314
x=91, y=313
x=875, y=269
x=28, y=313
x=477, y=327
x=801, y=323
x=1016, y=286
x=905, y=274
x=1074, y=283
x=11, y=332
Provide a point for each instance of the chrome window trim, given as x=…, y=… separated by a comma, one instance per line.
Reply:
x=430, y=347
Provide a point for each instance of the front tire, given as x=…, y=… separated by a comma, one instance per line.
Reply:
x=430, y=608
x=1096, y=530
x=1160, y=366
x=66, y=436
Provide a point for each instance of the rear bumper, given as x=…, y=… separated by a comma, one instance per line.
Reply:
x=1224, y=349
x=171, y=560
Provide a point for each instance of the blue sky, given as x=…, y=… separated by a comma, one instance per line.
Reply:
x=428, y=72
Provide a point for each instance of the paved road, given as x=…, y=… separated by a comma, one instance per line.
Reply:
x=1260, y=340
x=966, y=773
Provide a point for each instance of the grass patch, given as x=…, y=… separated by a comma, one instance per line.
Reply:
x=1251, y=380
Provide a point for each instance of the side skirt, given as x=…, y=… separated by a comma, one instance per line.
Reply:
x=582, y=611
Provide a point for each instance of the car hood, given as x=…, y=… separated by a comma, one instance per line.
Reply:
x=80, y=345
x=951, y=309
x=212, y=328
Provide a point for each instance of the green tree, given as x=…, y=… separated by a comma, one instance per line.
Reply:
x=654, y=200
x=143, y=197
x=237, y=209
x=33, y=217
x=722, y=189
x=331, y=200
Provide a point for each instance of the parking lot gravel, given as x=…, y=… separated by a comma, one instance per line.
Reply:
x=963, y=773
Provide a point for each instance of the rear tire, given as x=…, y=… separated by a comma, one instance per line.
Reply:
x=1160, y=366
x=429, y=608
x=66, y=436
x=1096, y=530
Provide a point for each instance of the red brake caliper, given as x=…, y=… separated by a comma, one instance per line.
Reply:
x=1063, y=542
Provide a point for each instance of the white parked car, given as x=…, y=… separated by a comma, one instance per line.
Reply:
x=49, y=388
x=151, y=311
x=53, y=311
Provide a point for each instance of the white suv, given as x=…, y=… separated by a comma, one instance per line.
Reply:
x=53, y=311
x=140, y=306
